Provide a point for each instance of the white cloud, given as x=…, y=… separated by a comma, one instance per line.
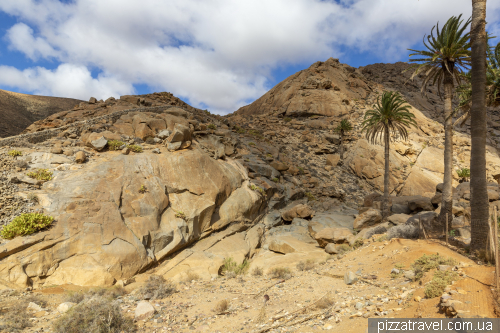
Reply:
x=216, y=52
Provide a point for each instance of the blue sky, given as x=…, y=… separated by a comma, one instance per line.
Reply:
x=215, y=54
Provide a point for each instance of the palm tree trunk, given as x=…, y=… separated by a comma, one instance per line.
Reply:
x=447, y=199
x=478, y=184
x=385, y=204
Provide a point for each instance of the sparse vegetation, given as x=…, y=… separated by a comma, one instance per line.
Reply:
x=280, y=273
x=463, y=173
x=95, y=315
x=143, y=189
x=427, y=262
x=276, y=180
x=256, y=188
x=230, y=266
x=16, y=319
x=325, y=302
x=301, y=170
x=310, y=196
x=439, y=282
x=382, y=238
x=239, y=130
x=135, y=148
x=15, y=153
x=32, y=197
x=251, y=143
x=191, y=276
x=157, y=288
x=287, y=119
x=358, y=243
x=257, y=271
x=343, y=248
x=306, y=265
x=115, y=144
x=40, y=174
x=180, y=215
x=26, y=224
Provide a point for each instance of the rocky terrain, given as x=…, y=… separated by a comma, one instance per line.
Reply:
x=18, y=111
x=149, y=186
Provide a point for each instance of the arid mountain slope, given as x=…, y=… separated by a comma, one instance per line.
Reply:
x=18, y=111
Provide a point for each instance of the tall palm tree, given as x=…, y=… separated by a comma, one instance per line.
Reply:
x=478, y=184
x=447, y=56
x=344, y=127
x=389, y=116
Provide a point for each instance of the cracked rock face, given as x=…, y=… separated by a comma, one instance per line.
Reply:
x=106, y=229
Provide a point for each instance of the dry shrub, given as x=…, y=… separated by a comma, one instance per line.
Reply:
x=36, y=299
x=427, y=262
x=280, y=273
x=261, y=317
x=306, y=265
x=157, y=288
x=325, y=302
x=74, y=297
x=16, y=319
x=439, y=282
x=257, y=271
x=190, y=276
x=222, y=306
x=97, y=315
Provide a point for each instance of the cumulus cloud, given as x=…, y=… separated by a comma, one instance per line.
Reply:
x=218, y=53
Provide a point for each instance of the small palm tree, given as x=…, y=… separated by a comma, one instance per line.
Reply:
x=447, y=56
x=389, y=116
x=344, y=127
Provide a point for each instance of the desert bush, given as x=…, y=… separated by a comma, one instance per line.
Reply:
x=280, y=273
x=40, y=174
x=74, y=297
x=143, y=189
x=256, y=188
x=157, y=288
x=306, y=265
x=325, y=302
x=358, y=243
x=257, y=271
x=221, y=306
x=427, y=262
x=230, y=266
x=382, y=238
x=115, y=144
x=36, y=299
x=26, y=224
x=16, y=319
x=33, y=198
x=180, y=215
x=276, y=180
x=15, y=153
x=135, y=148
x=439, y=282
x=403, y=231
x=190, y=276
x=287, y=119
x=343, y=248
x=310, y=196
x=97, y=315
x=212, y=126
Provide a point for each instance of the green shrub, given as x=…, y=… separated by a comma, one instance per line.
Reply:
x=276, y=180
x=280, y=273
x=427, y=262
x=41, y=174
x=310, y=196
x=212, y=126
x=287, y=119
x=135, y=148
x=343, y=248
x=239, y=130
x=463, y=173
x=439, y=282
x=180, y=215
x=157, y=288
x=301, y=170
x=15, y=153
x=256, y=188
x=231, y=266
x=26, y=224
x=251, y=143
x=143, y=189
x=115, y=144
x=95, y=315
x=358, y=243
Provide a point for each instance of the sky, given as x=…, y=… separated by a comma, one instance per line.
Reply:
x=214, y=54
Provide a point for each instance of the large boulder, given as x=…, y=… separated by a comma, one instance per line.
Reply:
x=333, y=235
x=367, y=219
x=302, y=211
x=107, y=230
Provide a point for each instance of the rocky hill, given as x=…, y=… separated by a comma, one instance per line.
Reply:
x=149, y=186
x=18, y=111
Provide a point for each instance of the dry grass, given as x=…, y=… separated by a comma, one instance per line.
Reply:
x=261, y=317
x=221, y=306
x=16, y=319
x=306, y=265
x=97, y=315
x=157, y=288
x=191, y=276
x=427, y=262
x=280, y=273
x=258, y=271
x=439, y=282
x=324, y=302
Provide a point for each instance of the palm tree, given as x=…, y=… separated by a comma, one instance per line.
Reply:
x=344, y=127
x=388, y=117
x=478, y=184
x=445, y=59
